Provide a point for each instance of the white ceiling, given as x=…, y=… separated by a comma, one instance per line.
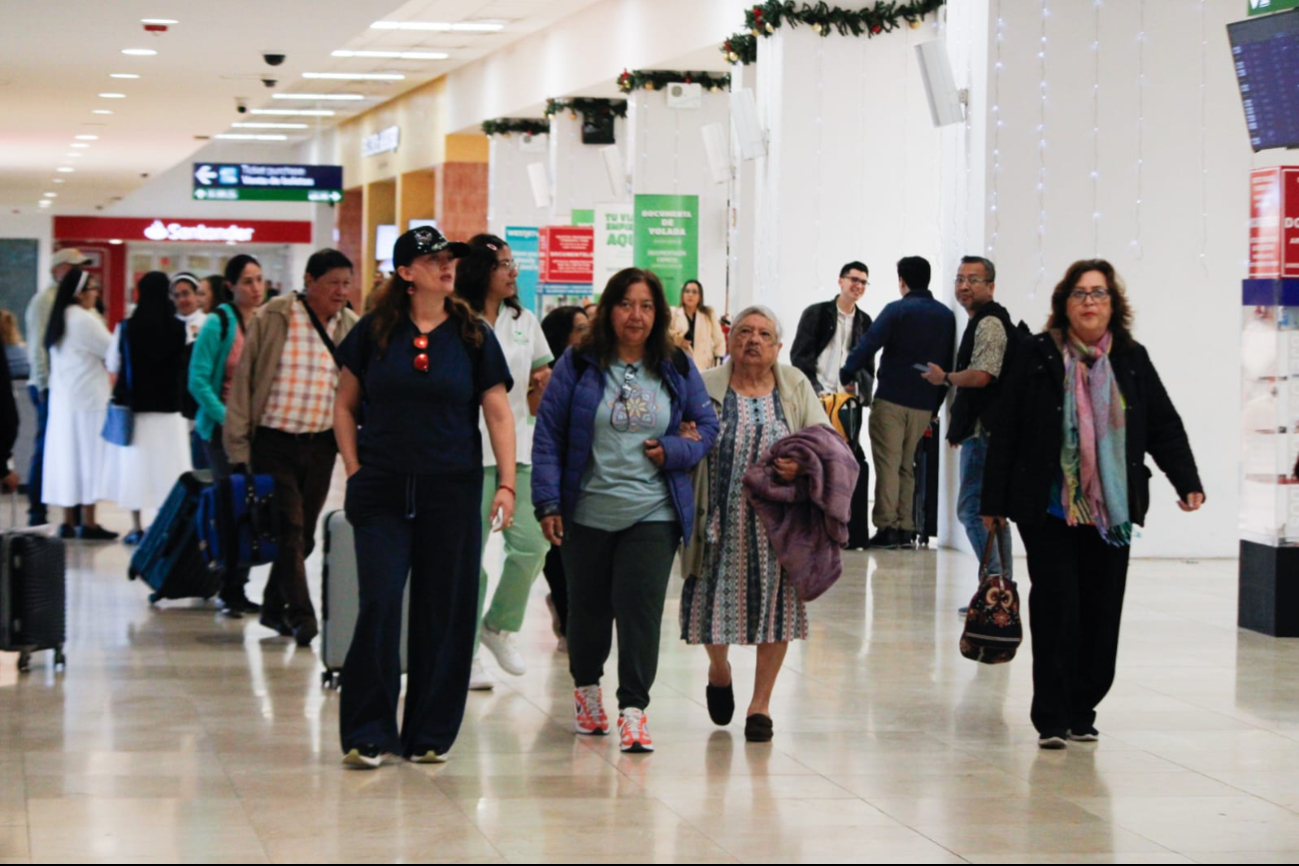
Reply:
x=58, y=56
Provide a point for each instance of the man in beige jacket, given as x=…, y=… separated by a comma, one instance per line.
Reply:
x=280, y=422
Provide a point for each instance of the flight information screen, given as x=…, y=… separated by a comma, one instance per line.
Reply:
x=1266, y=53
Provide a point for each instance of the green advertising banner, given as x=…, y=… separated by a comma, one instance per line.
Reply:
x=1262, y=7
x=666, y=231
x=583, y=216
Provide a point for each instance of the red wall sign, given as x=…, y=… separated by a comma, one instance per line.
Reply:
x=567, y=254
x=1274, y=223
x=195, y=231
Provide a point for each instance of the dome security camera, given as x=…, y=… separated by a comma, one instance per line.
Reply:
x=273, y=59
x=241, y=106
x=270, y=82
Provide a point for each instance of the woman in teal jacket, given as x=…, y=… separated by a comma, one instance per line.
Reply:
x=212, y=366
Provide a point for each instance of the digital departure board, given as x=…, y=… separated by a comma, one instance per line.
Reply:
x=1266, y=53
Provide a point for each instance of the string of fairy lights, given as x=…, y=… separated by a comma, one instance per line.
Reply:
x=1096, y=127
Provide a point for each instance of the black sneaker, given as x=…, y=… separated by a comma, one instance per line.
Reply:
x=907, y=540
x=1053, y=740
x=276, y=624
x=1084, y=734
x=305, y=633
x=67, y=532
x=239, y=604
x=367, y=757
x=95, y=533
x=886, y=539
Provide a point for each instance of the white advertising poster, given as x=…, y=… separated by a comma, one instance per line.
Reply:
x=613, y=242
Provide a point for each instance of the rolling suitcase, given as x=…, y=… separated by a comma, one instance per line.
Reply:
x=169, y=559
x=340, y=599
x=33, y=595
x=239, y=521
x=859, y=525
x=925, y=503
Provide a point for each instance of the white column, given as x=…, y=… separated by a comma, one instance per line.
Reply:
x=741, y=223
x=510, y=201
x=578, y=177
x=668, y=158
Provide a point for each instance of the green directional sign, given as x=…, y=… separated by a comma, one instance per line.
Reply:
x=1263, y=7
x=267, y=182
x=268, y=194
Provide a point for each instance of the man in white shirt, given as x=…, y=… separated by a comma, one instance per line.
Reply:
x=36, y=320
x=828, y=331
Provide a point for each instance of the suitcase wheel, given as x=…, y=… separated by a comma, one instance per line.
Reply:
x=60, y=660
x=331, y=680
x=153, y=598
x=24, y=662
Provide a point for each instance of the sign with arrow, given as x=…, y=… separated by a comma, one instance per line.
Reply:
x=264, y=182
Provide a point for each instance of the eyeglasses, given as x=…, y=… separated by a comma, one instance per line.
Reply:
x=621, y=413
x=508, y=265
x=1100, y=296
x=858, y=281
x=969, y=281
x=421, y=357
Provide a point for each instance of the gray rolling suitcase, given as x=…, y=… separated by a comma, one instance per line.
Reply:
x=340, y=599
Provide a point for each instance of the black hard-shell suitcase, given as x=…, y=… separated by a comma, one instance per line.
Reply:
x=33, y=595
x=169, y=558
x=925, y=503
x=859, y=525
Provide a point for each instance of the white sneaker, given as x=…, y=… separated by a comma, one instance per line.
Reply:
x=502, y=646
x=479, y=681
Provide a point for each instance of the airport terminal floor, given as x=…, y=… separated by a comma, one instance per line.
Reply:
x=177, y=735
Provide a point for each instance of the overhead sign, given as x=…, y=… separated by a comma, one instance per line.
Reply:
x=165, y=230
x=667, y=239
x=567, y=254
x=1274, y=223
x=383, y=141
x=219, y=181
x=1262, y=7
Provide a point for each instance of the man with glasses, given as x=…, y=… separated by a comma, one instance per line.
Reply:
x=979, y=363
x=914, y=332
x=828, y=330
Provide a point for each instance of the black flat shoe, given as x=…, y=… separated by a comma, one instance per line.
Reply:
x=276, y=624
x=758, y=728
x=721, y=702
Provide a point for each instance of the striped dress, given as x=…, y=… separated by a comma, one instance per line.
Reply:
x=743, y=595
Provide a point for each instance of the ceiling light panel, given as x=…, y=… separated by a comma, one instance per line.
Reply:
x=440, y=26
x=112, y=96
x=139, y=52
x=293, y=112
x=356, y=76
x=124, y=75
x=342, y=97
x=240, y=136
x=269, y=126
x=163, y=21
x=395, y=55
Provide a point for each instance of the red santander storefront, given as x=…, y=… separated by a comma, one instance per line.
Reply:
x=122, y=249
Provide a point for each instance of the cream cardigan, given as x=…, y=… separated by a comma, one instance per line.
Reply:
x=709, y=344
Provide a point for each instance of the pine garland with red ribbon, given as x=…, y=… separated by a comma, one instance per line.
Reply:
x=657, y=79
x=882, y=17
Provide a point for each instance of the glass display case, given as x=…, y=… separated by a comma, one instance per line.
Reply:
x=1269, y=494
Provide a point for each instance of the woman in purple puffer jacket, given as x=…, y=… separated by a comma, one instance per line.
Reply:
x=612, y=486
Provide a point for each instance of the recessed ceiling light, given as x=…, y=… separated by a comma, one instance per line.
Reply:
x=139, y=52
x=58, y=180
x=322, y=96
x=159, y=21
x=461, y=26
x=101, y=111
x=356, y=76
x=66, y=169
x=269, y=125
x=395, y=55
x=122, y=75
x=87, y=138
x=241, y=136
x=51, y=195
x=112, y=96
x=293, y=112
x=44, y=202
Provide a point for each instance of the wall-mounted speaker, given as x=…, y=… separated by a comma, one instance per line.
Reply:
x=717, y=152
x=682, y=95
x=540, y=179
x=749, y=134
x=945, y=99
x=597, y=127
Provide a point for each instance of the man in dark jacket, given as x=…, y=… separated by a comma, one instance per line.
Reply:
x=914, y=332
x=977, y=379
x=828, y=331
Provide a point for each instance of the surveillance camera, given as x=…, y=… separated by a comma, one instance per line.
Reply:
x=144, y=174
x=241, y=106
x=273, y=59
x=270, y=82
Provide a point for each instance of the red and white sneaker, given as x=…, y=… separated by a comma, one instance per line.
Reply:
x=589, y=707
x=634, y=731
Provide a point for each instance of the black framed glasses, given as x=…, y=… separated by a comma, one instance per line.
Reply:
x=970, y=281
x=621, y=414
x=1100, y=296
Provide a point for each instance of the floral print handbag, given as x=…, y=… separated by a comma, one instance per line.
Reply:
x=993, y=629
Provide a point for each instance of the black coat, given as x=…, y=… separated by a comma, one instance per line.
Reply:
x=815, y=330
x=1028, y=431
x=158, y=365
x=8, y=414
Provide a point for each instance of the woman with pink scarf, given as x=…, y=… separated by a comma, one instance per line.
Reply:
x=1082, y=407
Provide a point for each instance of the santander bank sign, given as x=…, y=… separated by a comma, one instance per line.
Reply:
x=168, y=230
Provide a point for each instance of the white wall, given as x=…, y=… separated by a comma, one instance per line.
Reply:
x=665, y=149
x=509, y=190
x=578, y=177
x=1183, y=152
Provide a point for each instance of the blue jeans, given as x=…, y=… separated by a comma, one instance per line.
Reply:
x=36, y=508
x=974, y=454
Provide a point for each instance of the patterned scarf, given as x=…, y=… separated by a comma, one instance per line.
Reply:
x=1094, y=453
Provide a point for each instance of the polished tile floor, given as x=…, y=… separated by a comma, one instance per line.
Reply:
x=176, y=735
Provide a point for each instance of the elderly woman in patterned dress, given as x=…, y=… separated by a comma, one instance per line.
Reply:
x=736, y=591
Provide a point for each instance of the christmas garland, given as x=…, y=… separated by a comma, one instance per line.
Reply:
x=585, y=105
x=657, y=79
x=882, y=17
x=506, y=125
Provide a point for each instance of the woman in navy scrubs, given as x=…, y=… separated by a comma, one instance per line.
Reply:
x=422, y=364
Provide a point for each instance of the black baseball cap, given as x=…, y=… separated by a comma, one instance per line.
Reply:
x=421, y=241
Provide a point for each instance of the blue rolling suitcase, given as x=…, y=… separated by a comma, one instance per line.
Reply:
x=169, y=559
x=238, y=521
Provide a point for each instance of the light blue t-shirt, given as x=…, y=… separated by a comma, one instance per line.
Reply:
x=620, y=486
